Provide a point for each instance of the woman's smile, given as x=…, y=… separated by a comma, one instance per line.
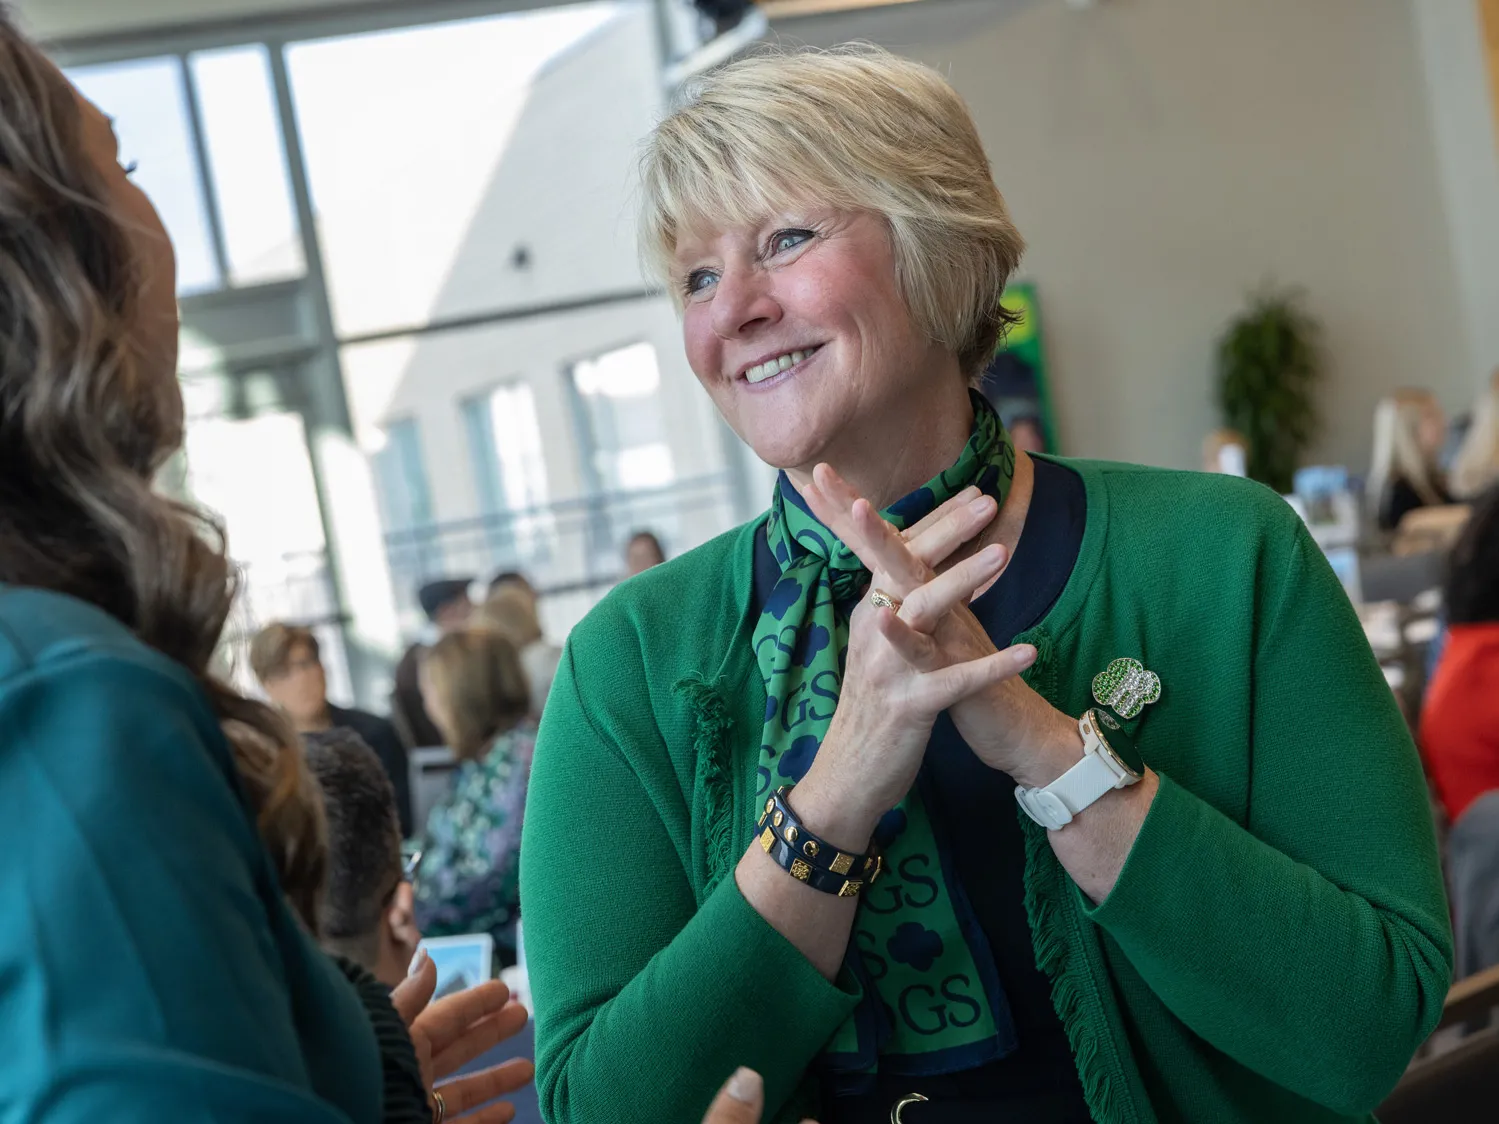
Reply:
x=769, y=373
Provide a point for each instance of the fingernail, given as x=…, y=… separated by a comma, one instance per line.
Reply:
x=993, y=553
x=980, y=505
x=418, y=962
x=745, y=1086
x=1024, y=655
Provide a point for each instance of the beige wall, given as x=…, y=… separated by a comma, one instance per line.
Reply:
x=1164, y=156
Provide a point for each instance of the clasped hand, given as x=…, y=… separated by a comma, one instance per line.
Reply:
x=904, y=668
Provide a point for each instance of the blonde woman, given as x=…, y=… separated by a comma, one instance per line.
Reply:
x=510, y=609
x=1408, y=433
x=164, y=842
x=1477, y=463
x=475, y=689
x=773, y=820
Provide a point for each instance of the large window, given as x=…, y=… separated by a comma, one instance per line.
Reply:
x=247, y=162
x=471, y=165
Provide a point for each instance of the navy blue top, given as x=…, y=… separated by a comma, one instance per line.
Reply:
x=974, y=807
x=150, y=969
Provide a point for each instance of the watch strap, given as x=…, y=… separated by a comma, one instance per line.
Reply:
x=1099, y=772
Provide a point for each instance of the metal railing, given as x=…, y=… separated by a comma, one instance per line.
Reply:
x=571, y=550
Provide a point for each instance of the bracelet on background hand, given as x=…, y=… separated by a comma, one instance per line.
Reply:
x=810, y=859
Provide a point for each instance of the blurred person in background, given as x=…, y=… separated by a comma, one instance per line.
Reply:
x=1459, y=734
x=1477, y=463
x=1225, y=451
x=511, y=611
x=448, y=608
x=801, y=745
x=516, y=579
x=165, y=843
x=367, y=912
x=642, y=551
x=468, y=879
x=288, y=662
x=1409, y=431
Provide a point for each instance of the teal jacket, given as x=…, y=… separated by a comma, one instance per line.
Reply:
x=149, y=968
x=1275, y=948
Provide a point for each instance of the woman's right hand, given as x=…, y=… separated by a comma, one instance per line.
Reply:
x=886, y=708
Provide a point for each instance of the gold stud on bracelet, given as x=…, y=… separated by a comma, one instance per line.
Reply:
x=767, y=840
x=809, y=848
x=800, y=870
x=777, y=819
x=842, y=863
x=791, y=835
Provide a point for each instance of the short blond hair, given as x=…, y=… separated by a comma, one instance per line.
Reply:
x=862, y=130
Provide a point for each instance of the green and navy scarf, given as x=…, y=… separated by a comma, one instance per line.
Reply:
x=932, y=1000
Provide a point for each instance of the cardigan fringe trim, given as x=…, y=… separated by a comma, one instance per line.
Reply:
x=1059, y=954
x=712, y=727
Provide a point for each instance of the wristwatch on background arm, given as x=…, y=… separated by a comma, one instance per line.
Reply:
x=1110, y=761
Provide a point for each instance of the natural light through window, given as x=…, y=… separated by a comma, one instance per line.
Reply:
x=399, y=169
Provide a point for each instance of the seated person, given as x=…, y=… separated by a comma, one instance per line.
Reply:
x=287, y=661
x=511, y=611
x=1409, y=431
x=468, y=879
x=448, y=608
x=367, y=913
x=1459, y=732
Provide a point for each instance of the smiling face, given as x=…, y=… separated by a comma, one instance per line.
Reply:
x=798, y=331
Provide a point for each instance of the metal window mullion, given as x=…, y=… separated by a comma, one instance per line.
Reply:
x=200, y=160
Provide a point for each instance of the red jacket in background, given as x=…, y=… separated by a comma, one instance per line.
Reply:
x=1460, y=721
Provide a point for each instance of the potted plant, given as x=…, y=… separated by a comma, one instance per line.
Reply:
x=1268, y=369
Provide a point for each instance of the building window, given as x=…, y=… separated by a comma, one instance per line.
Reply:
x=623, y=444
x=401, y=477
x=509, y=472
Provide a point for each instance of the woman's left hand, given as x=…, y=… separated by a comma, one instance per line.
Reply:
x=455, y=1030
x=1009, y=726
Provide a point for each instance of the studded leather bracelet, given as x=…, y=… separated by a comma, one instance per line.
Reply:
x=810, y=859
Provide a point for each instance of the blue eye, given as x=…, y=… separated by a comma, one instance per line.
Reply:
x=784, y=240
x=699, y=280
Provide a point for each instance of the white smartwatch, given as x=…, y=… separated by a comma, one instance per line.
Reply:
x=1110, y=761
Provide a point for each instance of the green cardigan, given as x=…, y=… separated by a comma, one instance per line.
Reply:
x=1275, y=948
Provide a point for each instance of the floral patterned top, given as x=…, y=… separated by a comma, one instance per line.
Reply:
x=468, y=880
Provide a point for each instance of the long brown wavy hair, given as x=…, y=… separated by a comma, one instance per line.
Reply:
x=85, y=423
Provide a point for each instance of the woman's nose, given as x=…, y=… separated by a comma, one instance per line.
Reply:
x=742, y=303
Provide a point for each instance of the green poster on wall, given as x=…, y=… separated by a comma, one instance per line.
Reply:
x=1016, y=380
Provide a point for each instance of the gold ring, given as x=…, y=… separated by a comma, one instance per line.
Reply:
x=440, y=1107
x=902, y=1104
x=882, y=600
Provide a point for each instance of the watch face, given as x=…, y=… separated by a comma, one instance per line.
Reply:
x=1117, y=742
